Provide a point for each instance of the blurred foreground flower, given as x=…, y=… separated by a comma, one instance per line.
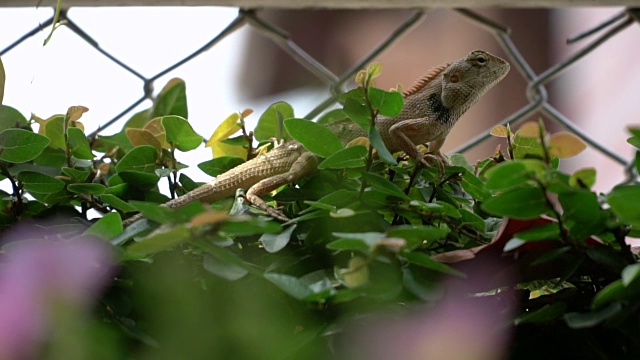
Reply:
x=39, y=277
x=464, y=325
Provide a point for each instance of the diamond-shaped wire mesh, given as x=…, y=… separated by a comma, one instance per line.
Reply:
x=335, y=83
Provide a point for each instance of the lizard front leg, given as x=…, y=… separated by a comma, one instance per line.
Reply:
x=422, y=131
x=304, y=165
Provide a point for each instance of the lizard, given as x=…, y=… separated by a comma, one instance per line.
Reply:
x=432, y=106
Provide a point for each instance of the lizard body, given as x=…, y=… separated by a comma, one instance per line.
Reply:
x=432, y=106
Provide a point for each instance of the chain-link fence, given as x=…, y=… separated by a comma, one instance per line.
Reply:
x=535, y=90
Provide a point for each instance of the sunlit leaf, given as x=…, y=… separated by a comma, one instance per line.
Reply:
x=180, y=134
x=270, y=125
x=314, y=137
x=172, y=100
x=140, y=159
x=387, y=103
x=74, y=113
x=529, y=129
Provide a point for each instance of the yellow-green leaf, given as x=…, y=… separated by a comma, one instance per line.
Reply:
x=228, y=127
x=2, y=80
x=499, y=131
x=586, y=177
x=529, y=129
x=139, y=137
x=74, y=113
x=357, y=274
x=565, y=144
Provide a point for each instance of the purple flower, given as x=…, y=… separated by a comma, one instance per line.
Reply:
x=35, y=275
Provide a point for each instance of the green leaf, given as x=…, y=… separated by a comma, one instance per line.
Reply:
x=87, y=189
x=582, y=213
x=117, y=203
x=545, y=314
x=316, y=138
x=350, y=157
x=511, y=174
x=289, y=284
x=525, y=147
x=2, y=81
x=417, y=234
x=276, y=242
x=53, y=128
x=270, y=125
x=217, y=166
x=139, y=180
x=630, y=274
x=378, y=144
x=472, y=219
x=367, y=238
x=35, y=182
x=473, y=186
x=382, y=184
x=79, y=144
x=140, y=159
x=75, y=174
x=331, y=116
x=424, y=260
x=250, y=227
x=10, y=118
x=388, y=103
x=583, y=177
x=591, y=319
x=545, y=232
x=155, y=212
x=172, y=100
x=159, y=240
x=635, y=141
x=615, y=291
x=522, y=203
x=223, y=268
x=624, y=202
x=18, y=145
x=348, y=244
x=358, y=112
x=107, y=227
x=180, y=134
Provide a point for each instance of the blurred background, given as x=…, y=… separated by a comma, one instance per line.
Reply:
x=248, y=70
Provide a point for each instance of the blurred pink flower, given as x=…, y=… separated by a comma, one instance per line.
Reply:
x=37, y=274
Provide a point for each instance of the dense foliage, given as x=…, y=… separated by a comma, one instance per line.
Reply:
x=527, y=257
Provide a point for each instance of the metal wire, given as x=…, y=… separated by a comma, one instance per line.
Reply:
x=535, y=89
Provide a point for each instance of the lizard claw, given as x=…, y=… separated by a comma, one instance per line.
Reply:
x=436, y=159
x=273, y=212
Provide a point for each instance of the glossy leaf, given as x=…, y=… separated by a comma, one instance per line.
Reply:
x=18, y=145
x=523, y=203
x=227, y=127
x=35, y=182
x=180, y=134
x=357, y=111
x=161, y=239
x=388, y=103
x=220, y=165
x=378, y=144
x=271, y=122
x=222, y=268
x=314, y=137
x=624, y=202
x=139, y=159
x=87, y=189
x=276, y=242
x=172, y=100
x=382, y=184
x=117, y=203
x=106, y=227
x=10, y=118
x=350, y=157
x=79, y=144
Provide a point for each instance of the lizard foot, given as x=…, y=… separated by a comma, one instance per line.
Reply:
x=429, y=160
x=259, y=203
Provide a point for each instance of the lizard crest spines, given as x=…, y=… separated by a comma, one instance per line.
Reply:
x=425, y=79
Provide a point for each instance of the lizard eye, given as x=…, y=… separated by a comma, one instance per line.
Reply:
x=481, y=59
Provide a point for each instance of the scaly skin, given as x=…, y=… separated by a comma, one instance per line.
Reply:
x=432, y=106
